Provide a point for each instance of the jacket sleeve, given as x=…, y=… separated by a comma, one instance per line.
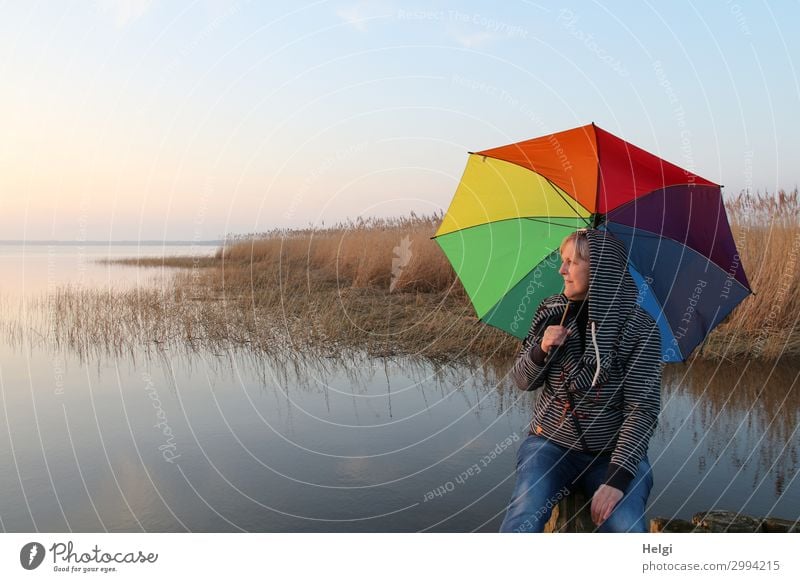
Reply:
x=531, y=363
x=642, y=403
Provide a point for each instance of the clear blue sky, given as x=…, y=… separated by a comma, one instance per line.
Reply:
x=136, y=119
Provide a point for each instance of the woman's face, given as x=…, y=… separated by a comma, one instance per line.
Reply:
x=575, y=272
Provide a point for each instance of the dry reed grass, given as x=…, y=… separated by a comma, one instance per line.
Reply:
x=357, y=253
x=767, y=233
x=329, y=289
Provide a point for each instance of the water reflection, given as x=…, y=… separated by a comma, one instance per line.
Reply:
x=262, y=444
x=743, y=417
x=300, y=443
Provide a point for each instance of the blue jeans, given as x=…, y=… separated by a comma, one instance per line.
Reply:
x=547, y=472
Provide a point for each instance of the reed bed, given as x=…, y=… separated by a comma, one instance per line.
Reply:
x=383, y=286
x=766, y=228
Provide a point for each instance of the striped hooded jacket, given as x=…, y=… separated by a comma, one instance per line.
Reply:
x=607, y=408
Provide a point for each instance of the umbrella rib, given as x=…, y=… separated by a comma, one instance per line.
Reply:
x=567, y=202
x=557, y=190
x=522, y=278
x=549, y=221
x=542, y=219
x=646, y=194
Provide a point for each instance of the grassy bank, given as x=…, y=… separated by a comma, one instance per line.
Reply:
x=383, y=286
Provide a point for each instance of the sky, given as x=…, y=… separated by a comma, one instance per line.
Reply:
x=139, y=119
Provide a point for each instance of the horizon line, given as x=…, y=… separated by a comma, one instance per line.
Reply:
x=148, y=242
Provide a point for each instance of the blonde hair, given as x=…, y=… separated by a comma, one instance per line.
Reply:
x=581, y=244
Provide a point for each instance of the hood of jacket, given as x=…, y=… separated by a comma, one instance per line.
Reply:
x=612, y=297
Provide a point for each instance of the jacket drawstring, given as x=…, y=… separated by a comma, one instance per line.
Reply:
x=596, y=356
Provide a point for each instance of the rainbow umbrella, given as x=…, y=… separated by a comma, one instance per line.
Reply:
x=515, y=204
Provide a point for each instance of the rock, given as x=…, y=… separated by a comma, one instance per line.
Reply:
x=777, y=525
x=718, y=521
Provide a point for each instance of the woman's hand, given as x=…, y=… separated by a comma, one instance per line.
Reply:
x=604, y=501
x=554, y=335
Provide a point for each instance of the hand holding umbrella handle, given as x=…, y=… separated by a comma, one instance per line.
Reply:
x=554, y=335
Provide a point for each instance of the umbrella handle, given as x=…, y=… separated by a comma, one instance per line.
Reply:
x=563, y=317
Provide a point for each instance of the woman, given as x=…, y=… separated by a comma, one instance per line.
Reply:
x=600, y=374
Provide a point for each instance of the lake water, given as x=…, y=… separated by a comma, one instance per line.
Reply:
x=175, y=440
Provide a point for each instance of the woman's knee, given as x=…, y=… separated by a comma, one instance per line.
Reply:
x=539, y=454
